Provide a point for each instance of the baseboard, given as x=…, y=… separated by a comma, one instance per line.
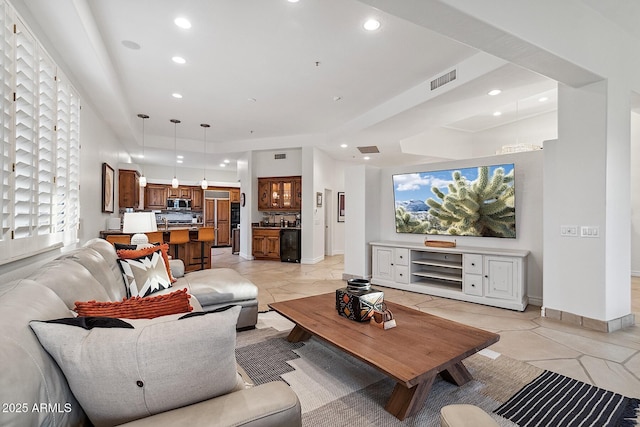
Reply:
x=311, y=260
x=537, y=301
x=635, y=273
x=588, y=323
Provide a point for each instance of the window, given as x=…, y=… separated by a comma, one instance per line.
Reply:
x=39, y=146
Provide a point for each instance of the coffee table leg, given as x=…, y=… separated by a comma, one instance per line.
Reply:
x=456, y=374
x=298, y=334
x=405, y=402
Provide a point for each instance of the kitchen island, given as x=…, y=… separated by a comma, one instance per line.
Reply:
x=189, y=253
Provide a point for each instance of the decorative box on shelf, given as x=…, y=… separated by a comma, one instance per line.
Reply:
x=358, y=300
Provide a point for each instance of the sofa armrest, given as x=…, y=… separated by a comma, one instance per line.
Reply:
x=270, y=404
x=177, y=267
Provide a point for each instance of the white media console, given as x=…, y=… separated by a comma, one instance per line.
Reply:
x=495, y=277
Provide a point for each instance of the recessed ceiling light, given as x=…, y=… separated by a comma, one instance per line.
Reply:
x=179, y=60
x=366, y=157
x=344, y=145
x=227, y=161
x=179, y=161
x=251, y=99
x=181, y=157
x=176, y=95
x=337, y=98
x=543, y=99
x=497, y=113
x=293, y=1
x=494, y=92
x=130, y=44
x=371, y=24
x=182, y=22
x=223, y=165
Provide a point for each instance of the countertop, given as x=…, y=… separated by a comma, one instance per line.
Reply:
x=261, y=227
x=177, y=227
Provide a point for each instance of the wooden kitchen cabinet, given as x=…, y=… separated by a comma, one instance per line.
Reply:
x=234, y=195
x=280, y=194
x=266, y=244
x=155, y=196
x=297, y=194
x=128, y=189
x=182, y=192
x=197, y=199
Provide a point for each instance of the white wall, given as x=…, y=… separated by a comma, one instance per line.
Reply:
x=635, y=194
x=189, y=176
x=533, y=130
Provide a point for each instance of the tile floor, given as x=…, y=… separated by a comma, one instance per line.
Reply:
x=610, y=361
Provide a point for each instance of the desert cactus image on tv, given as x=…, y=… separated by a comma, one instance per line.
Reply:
x=477, y=201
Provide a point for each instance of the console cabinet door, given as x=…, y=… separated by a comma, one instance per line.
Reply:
x=501, y=276
x=383, y=263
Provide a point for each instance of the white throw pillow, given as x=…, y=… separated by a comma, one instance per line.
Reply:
x=145, y=275
x=120, y=374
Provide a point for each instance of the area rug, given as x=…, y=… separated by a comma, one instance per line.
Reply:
x=336, y=389
x=555, y=400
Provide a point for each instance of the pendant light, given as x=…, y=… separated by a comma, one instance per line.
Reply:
x=204, y=184
x=174, y=181
x=143, y=179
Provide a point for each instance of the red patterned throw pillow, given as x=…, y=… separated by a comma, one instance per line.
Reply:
x=137, y=307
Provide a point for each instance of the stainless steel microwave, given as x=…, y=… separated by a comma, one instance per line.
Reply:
x=179, y=204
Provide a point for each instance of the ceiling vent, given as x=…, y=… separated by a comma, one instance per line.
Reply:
x=369, y=149
x=280, y=156
x=443, y=80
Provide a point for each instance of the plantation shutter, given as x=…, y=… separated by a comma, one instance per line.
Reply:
x=67, y=160
x=46, y=140
x=26, y=147
x=39, y=146
x=6, y=121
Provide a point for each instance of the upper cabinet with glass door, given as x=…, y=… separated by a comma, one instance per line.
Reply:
x=280, y=194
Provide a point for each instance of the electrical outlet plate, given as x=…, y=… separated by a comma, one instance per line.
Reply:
x=569, y=230
x=590, y=231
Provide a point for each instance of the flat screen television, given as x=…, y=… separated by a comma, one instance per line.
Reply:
x=476, y=201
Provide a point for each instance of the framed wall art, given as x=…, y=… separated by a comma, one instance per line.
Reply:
x=340, y=206
x=107, y=188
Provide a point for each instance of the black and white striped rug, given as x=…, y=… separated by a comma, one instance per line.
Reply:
x=555, y=400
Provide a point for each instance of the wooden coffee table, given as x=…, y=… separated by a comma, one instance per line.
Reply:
x=420, y=347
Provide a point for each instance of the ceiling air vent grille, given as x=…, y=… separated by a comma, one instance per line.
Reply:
x=443, y=79
x=280, y=156
x=369, y=149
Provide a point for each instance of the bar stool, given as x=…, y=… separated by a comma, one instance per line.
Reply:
x=176, y=238
x=155, y=237
x=205, y=235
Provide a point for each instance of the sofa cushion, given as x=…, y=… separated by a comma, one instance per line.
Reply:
x=70, y=281
x=218, y=286
x=29, y=375
x=138, y=307
x=117, y=289
x=145, y=274
x=119, y=375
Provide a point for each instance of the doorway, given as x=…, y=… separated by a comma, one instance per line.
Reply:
x=328, y=229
